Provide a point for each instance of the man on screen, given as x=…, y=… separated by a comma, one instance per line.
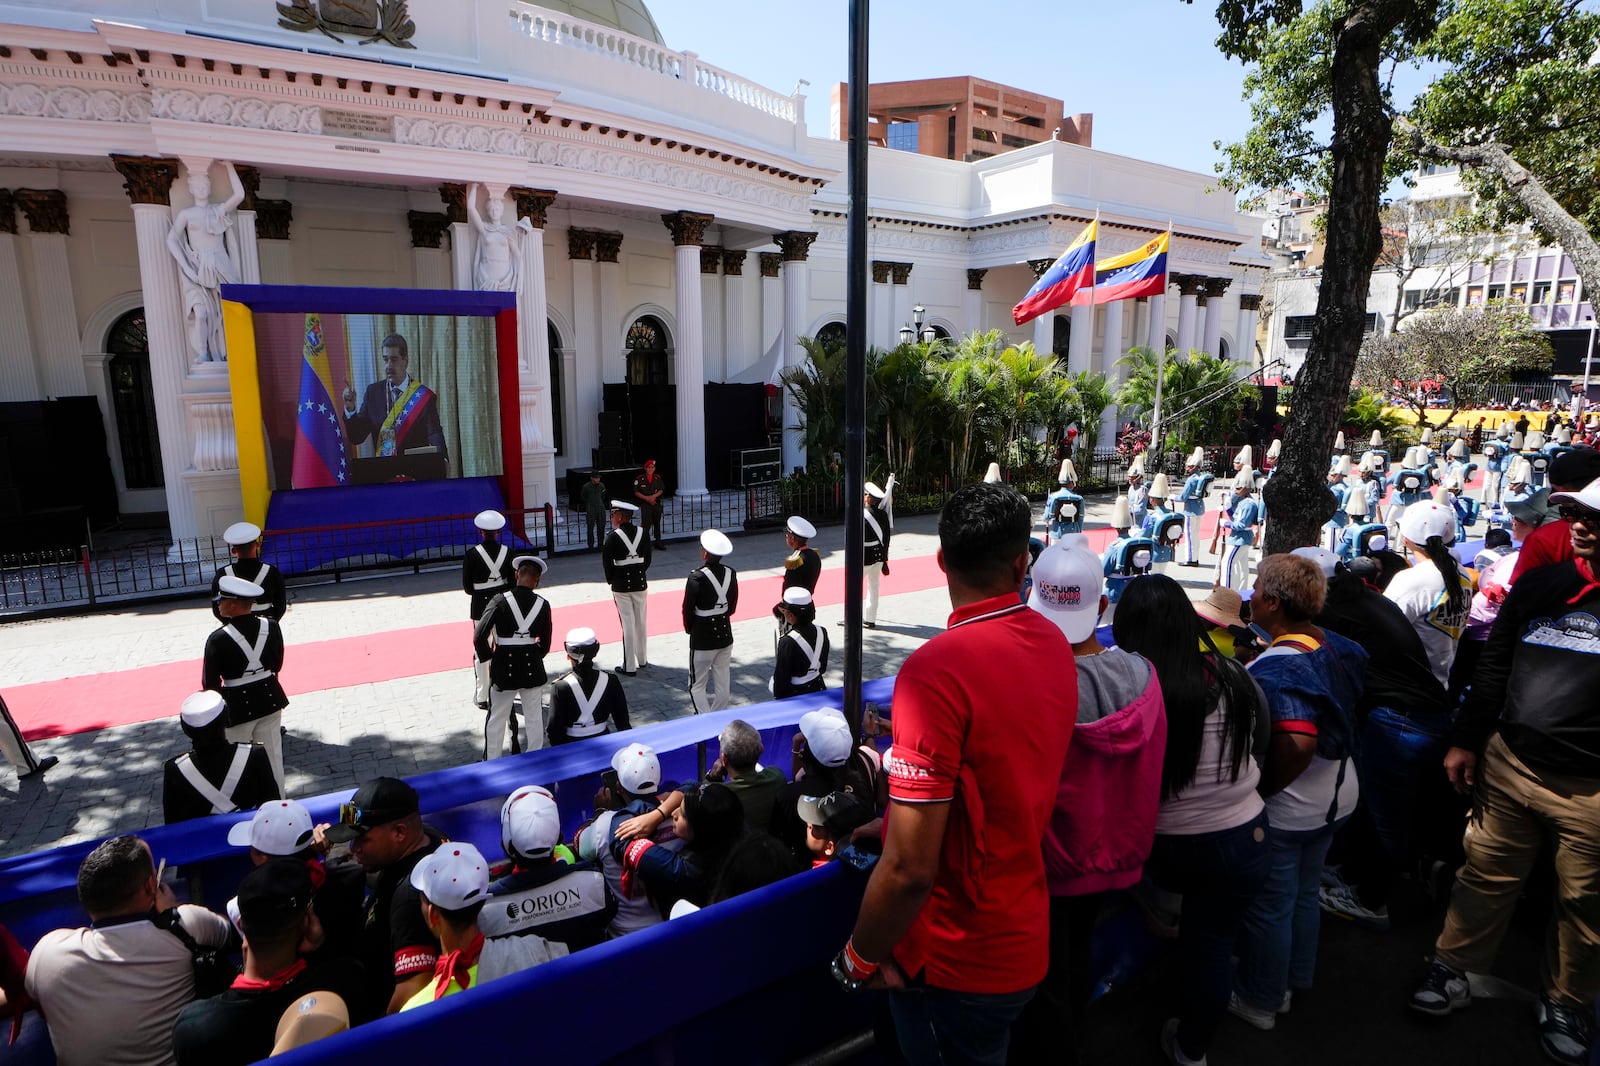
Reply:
x=398, y=411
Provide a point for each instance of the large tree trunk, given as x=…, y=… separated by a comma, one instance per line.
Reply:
x=1298, y=500
x=1574, y=239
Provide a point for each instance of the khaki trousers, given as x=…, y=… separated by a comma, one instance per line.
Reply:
x=1518, y=809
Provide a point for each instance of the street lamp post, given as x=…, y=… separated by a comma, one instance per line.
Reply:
x=916, y=331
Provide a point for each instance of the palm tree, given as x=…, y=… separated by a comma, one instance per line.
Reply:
x=817, y=386
x=911, y=408
x=968, y=383
x=1091, y=395
x=1187, y=379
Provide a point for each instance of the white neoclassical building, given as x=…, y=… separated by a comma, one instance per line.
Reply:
x=682, y=227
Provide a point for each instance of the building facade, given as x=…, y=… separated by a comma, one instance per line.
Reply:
x=961, y=118
x=679, y=220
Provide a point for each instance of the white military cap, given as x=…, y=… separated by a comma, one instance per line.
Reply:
x=800, y=527
x=1120, y=515
x=624, y=505
x=1338, y=442
x=1275, y=449
x=1159, y=488
x=201, y=709
x=581, y=637
x=490, y=521
x=1427, y=435
x=242, y=533
x=1377, y=439
x=992, y=476
x=1196, y=457
x=1068, y=474
x=1245, y=455
x=516, y=564
x=237, y=588
x=1356, y=505
x=716, y=542
x=795, y=596
x=874, y=491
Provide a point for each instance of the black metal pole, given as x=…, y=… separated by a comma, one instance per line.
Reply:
x=855, y=388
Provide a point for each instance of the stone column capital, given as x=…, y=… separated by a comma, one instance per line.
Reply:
x=8, y=212
x=454, y=196
x=733, y=262
x=250, y=179
x=687, y=227
x=794, y=245
x=901, y=272
x=147, y=179
x=880, y=271
x=771, y=263
x=273, y=218
x=607, y=246
x=710, y=258
x=975, y=280
x=427, y=228
x=1188, y=284
x=1250, y=301
x=1217, y=286
x=532, y=204
x=580, y=243
x=1039, y=266
x=45, y=209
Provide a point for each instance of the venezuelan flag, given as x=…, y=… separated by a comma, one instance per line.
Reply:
x=319, y=454
x=1061, y=283
x=1141, y=272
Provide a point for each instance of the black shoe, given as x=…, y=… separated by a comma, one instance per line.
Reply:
x=869, y=625
x=625, y=673
x=483, y=705
x=1192, y=564
x=1564, y=1032
x=38, y=771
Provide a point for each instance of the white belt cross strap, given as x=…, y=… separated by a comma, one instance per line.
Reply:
x=633, y=558
x=260, y=606
x=496, y=579
x=524, y=622
x=813, y=653
x=586, y=726
x=254, y=669
x=221, y=799
x=877, y=530
x=720, y=588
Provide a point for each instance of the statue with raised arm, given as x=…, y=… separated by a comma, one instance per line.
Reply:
x=201, y=240
x=498, y=265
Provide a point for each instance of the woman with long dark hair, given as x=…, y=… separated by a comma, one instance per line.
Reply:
x=709, y=821
x=1434, y=594
x=1211, y=830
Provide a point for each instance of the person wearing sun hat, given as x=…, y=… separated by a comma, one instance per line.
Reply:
x=454, y=886
x=710, y=596
x=216, y=776
x=244, y=544
x=625, y=556
x=802, y=653
x=587, y=701
x=242, y=660
x=514, y=636
x=485, y=573
x=1221, y=614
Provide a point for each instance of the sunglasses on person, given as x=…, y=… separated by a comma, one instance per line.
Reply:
x=1574, y=513
x=365, y=818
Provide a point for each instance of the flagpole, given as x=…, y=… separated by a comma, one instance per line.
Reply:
x=1161, y=355
x=1094, y=270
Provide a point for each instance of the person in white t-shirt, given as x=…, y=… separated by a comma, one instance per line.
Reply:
x=111, y=993
x=1434, y=594
x=1211, y=828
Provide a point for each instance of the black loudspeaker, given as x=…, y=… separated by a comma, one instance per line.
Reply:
x=1267, y=412
x=613, y=426
x=610, y=458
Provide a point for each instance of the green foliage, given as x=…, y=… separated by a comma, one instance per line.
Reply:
x=1366, y=411
x=1194, y=388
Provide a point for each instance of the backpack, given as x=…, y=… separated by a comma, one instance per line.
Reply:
x=213, y=972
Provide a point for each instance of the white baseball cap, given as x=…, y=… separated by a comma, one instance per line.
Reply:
x=800, y=527
x=1428, y=519
x=638, y=769
x=1324, y=558
x=200, y=709
x=489, y=521
x=828, y=736
x=1588, y=496
x=716, y=542
x=242, y=533
x=1067, y=581
x=530, y=823
x=280, y=827
x=454, y=877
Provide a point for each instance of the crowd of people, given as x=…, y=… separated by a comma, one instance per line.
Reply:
x=1289, y=746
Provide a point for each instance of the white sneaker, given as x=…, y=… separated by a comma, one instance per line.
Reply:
x=1288, y=1001
x=1342, y=903
x=1261, y=1019
x=1169, y=1044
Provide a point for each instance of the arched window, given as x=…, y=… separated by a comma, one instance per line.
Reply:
x=133, y=401
x=1061, y=337
x=831, y=335
x=940, y=333
x=1224, y=351
x=556, y=413
x=649, y=352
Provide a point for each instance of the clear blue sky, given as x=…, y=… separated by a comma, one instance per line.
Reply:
x=1147, y=69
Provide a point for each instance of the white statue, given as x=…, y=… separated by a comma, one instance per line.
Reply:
x=498, y=266
x=201, y=240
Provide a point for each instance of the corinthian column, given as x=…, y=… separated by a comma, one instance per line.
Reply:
x=538, y=441
x=57, y=320
x=1189, y=287
x=1211, y=338
x=19, y=379
x=1044, y=327
x=148, y=182
x=795, y=246
x=1244, y=336
x=688, y=231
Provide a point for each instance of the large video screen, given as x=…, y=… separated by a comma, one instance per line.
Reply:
x=363, y=399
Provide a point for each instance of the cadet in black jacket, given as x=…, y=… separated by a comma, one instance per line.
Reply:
x=710, y=597
x=513, y=636
x=216, y=777
x=626, y=557
x=803, y=565
x=587, y=701
x=485, y=575
x=876, y=540
x=244, y=541
x=242, y=660
x=803, y=650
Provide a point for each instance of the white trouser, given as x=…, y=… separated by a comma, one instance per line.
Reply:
x=266, y=732
x=1190, y=532
x=709, y=667
x=480, y=687
x=630, y=609
x=1392, y=518
x=1492, y=488
x=1234, y=567
x=13, y=746
x=869, y=603
x=499, y=720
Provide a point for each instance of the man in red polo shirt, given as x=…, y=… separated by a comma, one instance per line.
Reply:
x=955, y=921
